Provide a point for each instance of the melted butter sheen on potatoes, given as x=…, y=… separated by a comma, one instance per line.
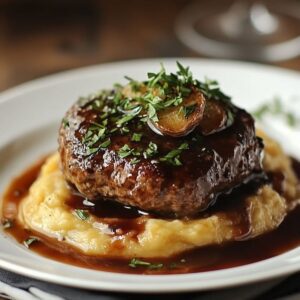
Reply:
x=44, y=210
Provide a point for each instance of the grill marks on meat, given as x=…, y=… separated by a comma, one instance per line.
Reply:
x=216, y=164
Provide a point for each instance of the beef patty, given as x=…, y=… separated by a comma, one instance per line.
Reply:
x=211, y=165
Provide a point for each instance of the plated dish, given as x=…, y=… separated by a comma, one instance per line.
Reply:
x=156, y=176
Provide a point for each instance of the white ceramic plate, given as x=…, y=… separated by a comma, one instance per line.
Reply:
x=29, y=118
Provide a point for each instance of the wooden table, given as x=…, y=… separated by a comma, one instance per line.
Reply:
x=43, y=37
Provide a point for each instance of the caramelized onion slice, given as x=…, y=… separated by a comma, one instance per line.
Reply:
x=182, y=119
x=215, y=117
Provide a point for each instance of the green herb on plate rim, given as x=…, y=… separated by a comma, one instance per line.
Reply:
x=277, y=108
x=29, y=241
x=135, y=262
x=6, y=223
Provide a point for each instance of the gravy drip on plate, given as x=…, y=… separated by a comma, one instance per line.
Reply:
x=123, y=219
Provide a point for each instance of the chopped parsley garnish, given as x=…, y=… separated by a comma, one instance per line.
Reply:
x=91, y=151
x=210, y=88
x=136, y=137
x=125, y=151
x=230, y=117
x=184, y=73
x=291, y=119
x=134, y=161
x=135, y=85
x=65, y=123
x=188, y=110
x=261, y=111
x=124, y=130
x=6, y=224
x=173, y=157
x=82, y=214
x=95, y=133
x=135, y=262
x=151, y=150
x=154, y=78
x=29, y=241
x=129, y=108
x=125, y=119
x=152, y=114
x=276, y=108
x=105, y=144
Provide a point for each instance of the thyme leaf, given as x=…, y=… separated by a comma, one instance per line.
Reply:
x=29, y=241
x=119, y=111
x=188, y=110
x=275, y=107
x=135, y=262
x=6, y=223
x=210, y=88
x=65, y=122
x=136, y=137
x=134, y=161
x=125, y=151
x=173, y=157
x=151, y=150
x=82, y=214
x=105, y=144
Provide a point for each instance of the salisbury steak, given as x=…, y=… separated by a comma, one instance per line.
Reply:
x=107, y=154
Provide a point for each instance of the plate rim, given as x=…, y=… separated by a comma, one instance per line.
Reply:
x=145, y=287
x=150, y=287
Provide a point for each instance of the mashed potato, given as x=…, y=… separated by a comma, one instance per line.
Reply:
x=44, y=210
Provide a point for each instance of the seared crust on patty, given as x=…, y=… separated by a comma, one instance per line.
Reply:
x=213, y=164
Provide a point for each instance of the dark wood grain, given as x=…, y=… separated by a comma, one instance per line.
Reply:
x=43, y=37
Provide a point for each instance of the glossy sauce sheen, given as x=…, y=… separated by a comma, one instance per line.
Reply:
x=286, y=237
x=212, y=164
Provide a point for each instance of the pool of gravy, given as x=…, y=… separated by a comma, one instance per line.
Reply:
x=123, y=219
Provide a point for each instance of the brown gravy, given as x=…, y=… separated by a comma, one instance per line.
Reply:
x=286, y=237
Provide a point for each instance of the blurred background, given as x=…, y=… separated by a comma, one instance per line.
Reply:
x=38, y=38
